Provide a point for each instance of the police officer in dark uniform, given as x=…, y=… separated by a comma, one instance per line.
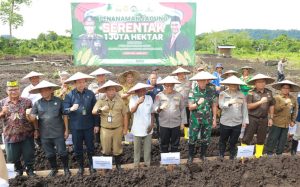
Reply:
x=91, y=40
x=260, y=103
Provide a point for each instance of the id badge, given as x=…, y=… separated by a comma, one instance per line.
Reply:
x=109, y=119
x=84, y=112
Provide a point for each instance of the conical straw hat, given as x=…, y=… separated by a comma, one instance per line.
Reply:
x=225, y=75
x=259, y=76
x=233, y=80
x=250, y=69
x=139, y=86
x=43, y=84
x=169, y=80
x=110, y=83
x=78, y=76
x=203, y=75
x=122, y=77
x=294, y=86
x=180, y=70
x=32, y=74
x=100, y=71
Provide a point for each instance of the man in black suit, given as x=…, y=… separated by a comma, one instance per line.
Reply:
x=177, y=41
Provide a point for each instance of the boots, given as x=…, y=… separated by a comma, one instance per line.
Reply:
x=294, y=147
x=53, y=164
x=19, y=168
x=258, y=150
x=203, y=152
x=91, y=169
x=191, y=153
x=118, y=162
x=65, y=161
x=29, y=171
x=79, y=159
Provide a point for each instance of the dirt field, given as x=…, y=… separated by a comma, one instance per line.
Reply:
x=277, y=171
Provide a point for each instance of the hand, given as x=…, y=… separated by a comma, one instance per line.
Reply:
x=149, y=129
x=214, y=125
x=270, y=122
x=5, y=109
x=200, y=101
x=287, y=101
x=141, y=100
x=74, y=107
x=244, y=125
x=104, y=108
x=28, y=111
x=125, y=131
x=182, y=126
x=66, y=134
x=164, y=106
x=96, y=130
x=263, y=100
x=36, y=134
x=292, y=124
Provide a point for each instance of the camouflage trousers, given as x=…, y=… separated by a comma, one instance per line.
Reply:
x=200, y=131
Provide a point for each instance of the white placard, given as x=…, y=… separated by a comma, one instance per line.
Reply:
x=245, y=151
x=170, y=158
x=102, y=162
x=292, y=130
x=298, y=148
x=11, y=170
x=69, y=140
x=129, y=137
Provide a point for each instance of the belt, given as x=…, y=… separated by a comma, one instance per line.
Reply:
x=110, y=128
x=258, y=117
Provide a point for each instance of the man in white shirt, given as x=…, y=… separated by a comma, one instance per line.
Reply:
x=140, y=105
x=34, y=79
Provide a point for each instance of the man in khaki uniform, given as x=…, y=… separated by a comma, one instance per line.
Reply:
x=114, y=120
x=285, y=113
x=261, y=110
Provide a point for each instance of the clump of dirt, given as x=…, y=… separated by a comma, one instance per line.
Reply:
x=276, y=171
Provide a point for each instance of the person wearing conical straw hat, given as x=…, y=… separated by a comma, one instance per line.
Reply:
x=261, y=112
x=285, y=114
x=101, y=79
x=34, y=78
x=169, y=104
x=140, y=105
x=127, y=80
x=203, y=108
x=78, y=105
x=65, y=88
x=296, y=136
x=234, y=115
x=183, y=88
x=229, y=73
x=246, y=76
x=114, y=120
x=53, y=126
x=100, y=74
x=17, y=130
x=219, y=68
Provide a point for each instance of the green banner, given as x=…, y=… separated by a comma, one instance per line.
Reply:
x=127, y=34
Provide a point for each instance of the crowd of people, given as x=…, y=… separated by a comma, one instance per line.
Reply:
x=105, y=111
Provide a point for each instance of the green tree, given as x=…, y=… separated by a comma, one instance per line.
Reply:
x=9, y=13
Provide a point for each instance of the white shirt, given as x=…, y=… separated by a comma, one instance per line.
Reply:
x=280, y=67
x=32, y=97
x=142, y=116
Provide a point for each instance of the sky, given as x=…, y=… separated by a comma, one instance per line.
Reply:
x=212, y=15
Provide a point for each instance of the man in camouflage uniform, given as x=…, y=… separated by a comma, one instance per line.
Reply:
x=91, y=40
x=203, y=107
